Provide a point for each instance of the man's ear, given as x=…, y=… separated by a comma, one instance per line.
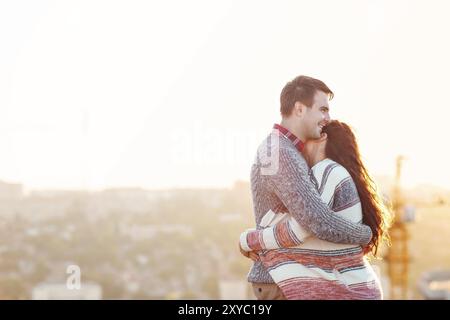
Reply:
x=299, y=109
x=323, y=136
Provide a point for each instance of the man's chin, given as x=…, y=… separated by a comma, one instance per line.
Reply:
x=314, y=136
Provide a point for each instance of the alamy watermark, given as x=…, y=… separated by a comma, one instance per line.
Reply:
x=73, y=281
x=204, y=145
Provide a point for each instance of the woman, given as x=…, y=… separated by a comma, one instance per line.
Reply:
x=314, y=268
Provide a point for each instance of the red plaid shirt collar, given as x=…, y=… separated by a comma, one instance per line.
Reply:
x=296, y=141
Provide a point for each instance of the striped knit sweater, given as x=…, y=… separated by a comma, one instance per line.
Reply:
x=316, y=269
x=280, y=182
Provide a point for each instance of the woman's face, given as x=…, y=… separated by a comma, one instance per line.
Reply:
x=314, y=150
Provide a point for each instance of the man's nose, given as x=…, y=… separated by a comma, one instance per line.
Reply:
x=327, y=117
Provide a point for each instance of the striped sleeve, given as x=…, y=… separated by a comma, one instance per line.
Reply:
x=285, y=234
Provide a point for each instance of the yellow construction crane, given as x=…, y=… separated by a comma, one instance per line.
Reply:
x=398, y=255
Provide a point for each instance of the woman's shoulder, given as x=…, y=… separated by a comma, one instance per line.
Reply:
x=339, y=170
x=330, y=166
x=331, y=170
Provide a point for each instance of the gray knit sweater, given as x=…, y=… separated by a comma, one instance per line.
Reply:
x=280, y=182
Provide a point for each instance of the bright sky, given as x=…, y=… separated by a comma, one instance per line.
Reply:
x=98, y=94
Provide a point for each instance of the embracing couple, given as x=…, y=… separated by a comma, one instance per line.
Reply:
x=317, y=211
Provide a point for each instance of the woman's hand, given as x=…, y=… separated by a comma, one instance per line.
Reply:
x=251, y=254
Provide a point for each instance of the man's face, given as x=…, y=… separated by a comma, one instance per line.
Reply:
x=317, y=116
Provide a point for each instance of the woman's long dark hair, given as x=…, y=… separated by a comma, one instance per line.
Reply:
x=342, y=148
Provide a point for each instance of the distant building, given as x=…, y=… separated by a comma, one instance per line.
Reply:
x=10, y=190
x=435, y=285
x=140, y=232
x=59, y=291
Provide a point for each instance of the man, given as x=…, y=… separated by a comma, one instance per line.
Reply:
x=280, y=178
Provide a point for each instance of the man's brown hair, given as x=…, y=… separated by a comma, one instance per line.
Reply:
x=301, y=89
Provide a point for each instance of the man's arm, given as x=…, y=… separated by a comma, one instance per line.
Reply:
x=292, y=185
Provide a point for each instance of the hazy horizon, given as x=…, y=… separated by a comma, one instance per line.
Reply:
x=382, y=182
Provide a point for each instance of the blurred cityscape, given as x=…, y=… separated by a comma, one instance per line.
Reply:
x=133, y=243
